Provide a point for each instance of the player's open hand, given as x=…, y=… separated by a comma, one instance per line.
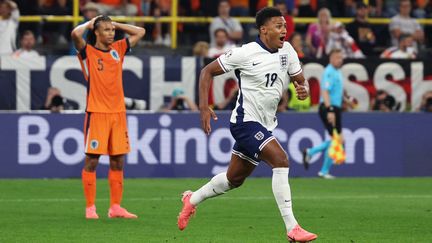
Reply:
x=206, y=114
x=91, y=23
x=301, y=90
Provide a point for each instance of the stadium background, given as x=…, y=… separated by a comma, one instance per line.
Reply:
x=39, y=144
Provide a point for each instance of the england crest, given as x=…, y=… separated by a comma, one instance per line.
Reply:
x=283, y=60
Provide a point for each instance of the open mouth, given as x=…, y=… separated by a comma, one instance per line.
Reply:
x=282, y=38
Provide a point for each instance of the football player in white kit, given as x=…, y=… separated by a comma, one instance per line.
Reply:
x=263, y=68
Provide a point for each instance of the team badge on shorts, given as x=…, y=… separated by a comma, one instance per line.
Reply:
x=94, y=144
x=259, y=136
x=115, y=55
x=283, y=59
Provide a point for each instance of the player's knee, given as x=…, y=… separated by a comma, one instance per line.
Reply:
x=280, y=161
x=91, y=163
x=116, y=162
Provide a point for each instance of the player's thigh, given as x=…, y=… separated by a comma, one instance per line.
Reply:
x=119, y=138
x=274, y=155
x=239, y=169
x=96, y=133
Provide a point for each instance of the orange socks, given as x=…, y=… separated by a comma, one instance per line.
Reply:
x=89, y=184
x=115, y=178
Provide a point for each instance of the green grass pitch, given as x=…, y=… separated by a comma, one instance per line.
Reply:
x=341, y=210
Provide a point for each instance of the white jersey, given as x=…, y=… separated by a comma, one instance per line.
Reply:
x=263, y=75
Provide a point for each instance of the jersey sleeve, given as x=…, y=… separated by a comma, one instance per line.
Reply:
x=294, y=67
x=82, y=56
x=232, y=59
x=326, y=80
x=122, y=46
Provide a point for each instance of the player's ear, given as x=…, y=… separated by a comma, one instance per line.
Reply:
x=263, y=29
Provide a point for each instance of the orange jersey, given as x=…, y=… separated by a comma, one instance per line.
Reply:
x=103, y=71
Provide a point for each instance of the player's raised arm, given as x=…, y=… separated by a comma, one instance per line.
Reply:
x=135, y=33
x=78, y=32
x=206, y=76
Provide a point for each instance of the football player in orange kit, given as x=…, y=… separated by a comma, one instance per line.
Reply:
x=105, y=128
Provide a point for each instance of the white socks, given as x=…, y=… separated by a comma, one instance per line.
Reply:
x=218, y=185
x=282, y=194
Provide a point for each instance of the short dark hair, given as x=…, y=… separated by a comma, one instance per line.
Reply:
x=220, y=30
x=25, y=33
x=91, y=37
x=265, y=14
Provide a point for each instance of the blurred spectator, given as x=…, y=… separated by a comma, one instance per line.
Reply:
x=231, y=89
x=224, y=21
x=117, y=7
x=305, y=8
x=385, y=102
x=339, y=38
x=161, y=31
x=297, y=43
x=390, y=7
x=9, y=14
x=361, y=30
x=240, y=8
x=222, y=44
x=317, y=33
x=90, y=10
x=350, y=8
x=180, y=102
x=405, y=50
x=57, y=33
x=404, y=24
x=27, y=43
x=426, y=104
x=290, y=26
x=200, y=49
x=55, y=102
x=423, y=9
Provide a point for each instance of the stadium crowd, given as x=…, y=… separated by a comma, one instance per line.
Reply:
x=357, y=39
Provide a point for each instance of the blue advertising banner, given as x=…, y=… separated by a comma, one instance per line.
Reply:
x=173, y=145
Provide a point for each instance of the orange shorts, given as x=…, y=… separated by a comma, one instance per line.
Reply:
x=106, y=133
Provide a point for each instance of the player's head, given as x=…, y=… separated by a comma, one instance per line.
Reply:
x=271, y=26
x=336, y=58
x=103, y=31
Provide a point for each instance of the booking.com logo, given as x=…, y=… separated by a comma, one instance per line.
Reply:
x=166, y=144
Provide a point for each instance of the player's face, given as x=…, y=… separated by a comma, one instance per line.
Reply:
x=105, y=33
x=336, y=59
x=274, y=31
